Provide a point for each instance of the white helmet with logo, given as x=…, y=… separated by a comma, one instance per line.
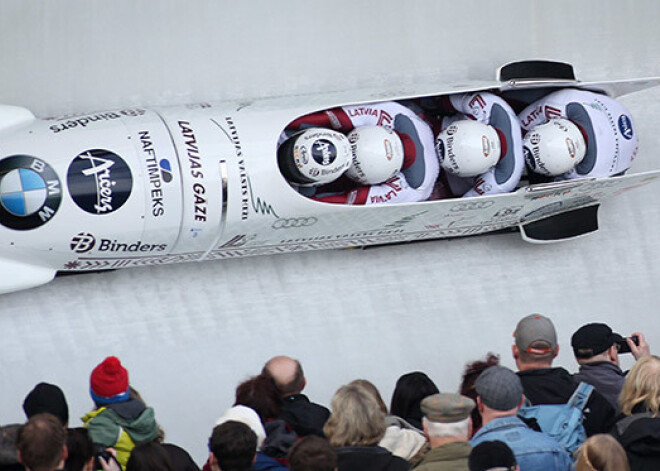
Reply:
x=468, y=148
x=315, y=156
x=376, y=154
x=554, y=148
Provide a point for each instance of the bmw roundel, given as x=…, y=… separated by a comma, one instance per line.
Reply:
x=30, y=192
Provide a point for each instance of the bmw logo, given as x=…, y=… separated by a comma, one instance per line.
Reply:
x=30, y=192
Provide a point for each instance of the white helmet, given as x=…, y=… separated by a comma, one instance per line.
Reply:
x=468, y=148
x=554, y=148
x=377, y=154
x=315, y=156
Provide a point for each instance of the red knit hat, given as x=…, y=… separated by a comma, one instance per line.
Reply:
x=109, y=381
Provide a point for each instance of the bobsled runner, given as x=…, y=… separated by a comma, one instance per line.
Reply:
x=151, y=186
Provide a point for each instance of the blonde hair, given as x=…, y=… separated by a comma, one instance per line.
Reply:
x=356, y=418
x=601, y=452
x=642, y=386
x=373, y=390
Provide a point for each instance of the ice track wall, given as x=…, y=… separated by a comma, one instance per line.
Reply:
x=190, y=333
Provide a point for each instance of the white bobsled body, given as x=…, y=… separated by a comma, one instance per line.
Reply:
x=149, y=186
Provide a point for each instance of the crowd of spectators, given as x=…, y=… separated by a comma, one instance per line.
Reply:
x=272, y=425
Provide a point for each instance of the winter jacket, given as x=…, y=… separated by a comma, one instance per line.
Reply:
x=556, y=385
x=369, y=458
x=121, y=426
x=304, y=417
x=639, y=435
x=606, y=377
x=8, y=454
x=402, y=439
x=449, y=457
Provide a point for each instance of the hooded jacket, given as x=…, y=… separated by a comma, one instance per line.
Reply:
x=121, y=425
x=639, y=435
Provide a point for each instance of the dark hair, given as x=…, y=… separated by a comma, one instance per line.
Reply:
x=80, y=447
x=312, y=453
x=40, y=442
x=492, y=454
x=149, y=456
x=470, y=375
x=408, y=393
x=261, y=394
x=234, y=445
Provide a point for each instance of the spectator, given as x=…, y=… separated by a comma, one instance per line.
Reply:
x=495, y=455
x=179, y=458
x=312, y=453
x=8, y=453
x=41, y=443
x=601, y=452
x=250, y=418
x=534, y=351
x=401, y=438
x=47, y=398
x=447, y=426
x=232, y=447
x=499, y=396
x=149, y=456
x=470, y=375
x=118, y=421
x=261, y=394
x=596, y=349
x=304, y=416
x=355, y=427
x=80, y=450
x=408, y=393
x=639, y=429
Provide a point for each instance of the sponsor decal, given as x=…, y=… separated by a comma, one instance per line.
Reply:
x=195, y=163
x=159, y=172
x=324, y=152
x=241, y=167
x=625, y=126
x=471, y=206
x=485, y=145
x=289, y=223
x=440, y=148
x=30, y=192
x=570, y=145
x=70, y=122
x=99, y=181
x=529, y=158
x=84, y=242
x=383, y=118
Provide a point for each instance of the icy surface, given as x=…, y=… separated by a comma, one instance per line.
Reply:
x=190, y=333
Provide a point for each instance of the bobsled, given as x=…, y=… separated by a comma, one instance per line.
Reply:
x=159, y=185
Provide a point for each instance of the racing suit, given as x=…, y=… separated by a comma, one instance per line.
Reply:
x=489, y=109
x=605, y=123
x=414, y=182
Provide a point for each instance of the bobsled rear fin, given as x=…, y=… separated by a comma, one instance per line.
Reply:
x=16, y=276
x=563, y=226
x=13, y=116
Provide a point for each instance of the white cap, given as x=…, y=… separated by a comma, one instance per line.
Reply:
x=555, y=147
x=468, y=148
x=376, y=154
x=247, y=416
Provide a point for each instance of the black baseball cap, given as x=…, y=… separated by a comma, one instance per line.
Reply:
x=593, y=339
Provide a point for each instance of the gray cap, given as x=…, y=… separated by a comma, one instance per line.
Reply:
x=536, y=329
x=446, y=407
x=499, y=388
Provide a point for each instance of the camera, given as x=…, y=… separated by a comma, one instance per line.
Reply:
x=101, y=452
x=623, y=345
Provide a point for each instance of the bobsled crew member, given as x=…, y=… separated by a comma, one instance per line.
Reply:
x=480, y=145
x=391, y=155
x=577, y=134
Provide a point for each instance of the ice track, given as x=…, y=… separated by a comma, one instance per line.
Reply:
x=189, y=333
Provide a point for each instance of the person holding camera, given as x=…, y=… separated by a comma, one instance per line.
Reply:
x=597, y=350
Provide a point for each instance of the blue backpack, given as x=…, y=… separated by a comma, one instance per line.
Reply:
x=563, y=422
